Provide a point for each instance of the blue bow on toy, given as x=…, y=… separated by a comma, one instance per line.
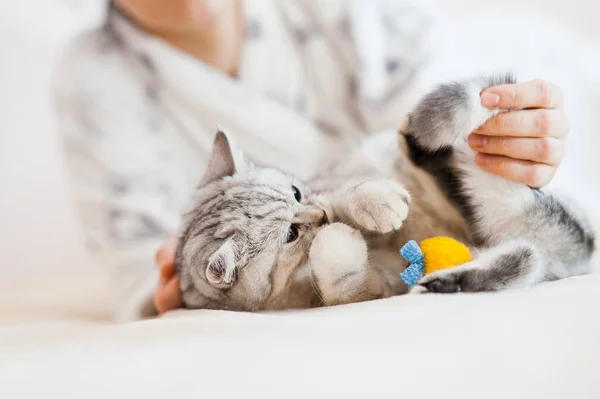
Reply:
x=416, y=270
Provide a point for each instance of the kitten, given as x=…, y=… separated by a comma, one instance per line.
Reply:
x=258, y=239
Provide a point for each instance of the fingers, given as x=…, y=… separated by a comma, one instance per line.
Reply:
x=525, y=145
x=526, y=172
x=167, y=296
x=531, y=94
x=165, y=257
x=527, y=123
x=548, y=150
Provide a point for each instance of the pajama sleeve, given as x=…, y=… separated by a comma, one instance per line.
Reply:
x=396, y=43
x=128, y=189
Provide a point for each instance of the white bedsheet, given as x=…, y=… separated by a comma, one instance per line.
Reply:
x=539, y=343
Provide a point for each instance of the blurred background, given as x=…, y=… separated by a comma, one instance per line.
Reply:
x=40, y=240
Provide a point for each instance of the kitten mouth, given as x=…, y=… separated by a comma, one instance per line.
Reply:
x=326, y=218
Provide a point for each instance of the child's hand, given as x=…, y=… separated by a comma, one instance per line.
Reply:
x=526, y=145
x=167, y=294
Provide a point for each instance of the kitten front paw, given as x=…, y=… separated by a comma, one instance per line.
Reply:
x=337, y=249
x=378, y=205
x=338, y=261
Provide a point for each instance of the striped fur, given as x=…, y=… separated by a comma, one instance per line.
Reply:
x=350, y=221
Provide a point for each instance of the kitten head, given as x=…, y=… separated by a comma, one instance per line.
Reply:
x=245, y=241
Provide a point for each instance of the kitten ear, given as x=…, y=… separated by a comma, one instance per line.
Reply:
x=221, y=266
x=221, y=162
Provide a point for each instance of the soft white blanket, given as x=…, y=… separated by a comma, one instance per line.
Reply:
x=540, y=343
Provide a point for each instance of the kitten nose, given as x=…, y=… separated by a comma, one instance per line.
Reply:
x=311, y=216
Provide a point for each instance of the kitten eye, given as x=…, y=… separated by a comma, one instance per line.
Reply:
x=297, y=193
x=292, y=234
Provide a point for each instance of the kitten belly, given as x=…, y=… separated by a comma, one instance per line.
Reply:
x=390, y=264
x=430, y=213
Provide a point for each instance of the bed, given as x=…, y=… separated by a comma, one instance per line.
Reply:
x=539, y=343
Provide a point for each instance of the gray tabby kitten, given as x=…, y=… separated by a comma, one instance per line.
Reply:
x=258, y=239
